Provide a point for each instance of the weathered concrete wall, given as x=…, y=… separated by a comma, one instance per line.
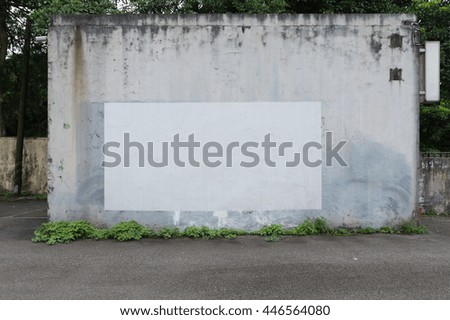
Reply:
x=35, y=169
x=349, y=63
x=434, y=184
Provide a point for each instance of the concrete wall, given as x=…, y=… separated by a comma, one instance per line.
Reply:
x=434, y=184
x=349, y=63
x=35, y=170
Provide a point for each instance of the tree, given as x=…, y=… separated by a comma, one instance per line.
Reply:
x=267, y=6
x=22, y=107
x=3, y=53
x=435, y=127
x=13, y=14
x=42, y=15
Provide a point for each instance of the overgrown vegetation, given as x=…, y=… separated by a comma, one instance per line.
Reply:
x=168, y=233
x=433, y=212
x=64, y=232
x=272, y=232
x=207, y=233
x=312, y=227
x=7, y=195
x=126, y=231
x=410, y=228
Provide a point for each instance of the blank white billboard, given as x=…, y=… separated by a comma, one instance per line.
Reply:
x=204, y=156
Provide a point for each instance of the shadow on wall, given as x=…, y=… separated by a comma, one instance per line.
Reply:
x=376, y=175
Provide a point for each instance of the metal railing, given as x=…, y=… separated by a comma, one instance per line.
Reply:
x=435, y=154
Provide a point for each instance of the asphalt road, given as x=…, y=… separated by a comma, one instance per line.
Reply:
x=320, y=267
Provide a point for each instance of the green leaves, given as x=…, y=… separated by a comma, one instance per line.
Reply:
x=207, y=233
x=68, y=231
x=410, y=228
x=258, y=6
x=208, y=6
x=320, y=226
x=128, y=230
x=63, y=232
x=311, y=227
x=272, y=232
x=435, y=127
x=42, y=15
x=168, y=233
x=362, y=6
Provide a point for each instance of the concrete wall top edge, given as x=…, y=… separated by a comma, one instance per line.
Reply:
x=234, y=19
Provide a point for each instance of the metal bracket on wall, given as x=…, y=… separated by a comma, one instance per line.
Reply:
x=416, y=33
x=429, y=66
x=422, y=74
x=415, y=26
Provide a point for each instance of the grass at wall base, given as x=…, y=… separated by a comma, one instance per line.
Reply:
x=68, y=231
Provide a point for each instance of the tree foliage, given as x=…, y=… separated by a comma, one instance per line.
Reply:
x=435, y=127
x=15, y=13
x=36, y=115
x=42, y=15
x=434, y=16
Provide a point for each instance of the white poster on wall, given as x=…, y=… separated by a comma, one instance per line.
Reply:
x=212, y=156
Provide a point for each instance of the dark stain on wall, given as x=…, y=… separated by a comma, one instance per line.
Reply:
x=375, y=46
x=395, y=74
x=396, y=40
x=215, y=31
x=245, y=27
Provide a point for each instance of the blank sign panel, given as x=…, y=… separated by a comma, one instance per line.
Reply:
x=432, y=77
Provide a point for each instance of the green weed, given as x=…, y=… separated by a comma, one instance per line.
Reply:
x=64, y=231
x=386, y=230
x=366, y=230
x=272, y=232
x=6, y=195
x=168, y=233
x=433, y=212
x=342, y=232
x=410, y=228
x=126, y=231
